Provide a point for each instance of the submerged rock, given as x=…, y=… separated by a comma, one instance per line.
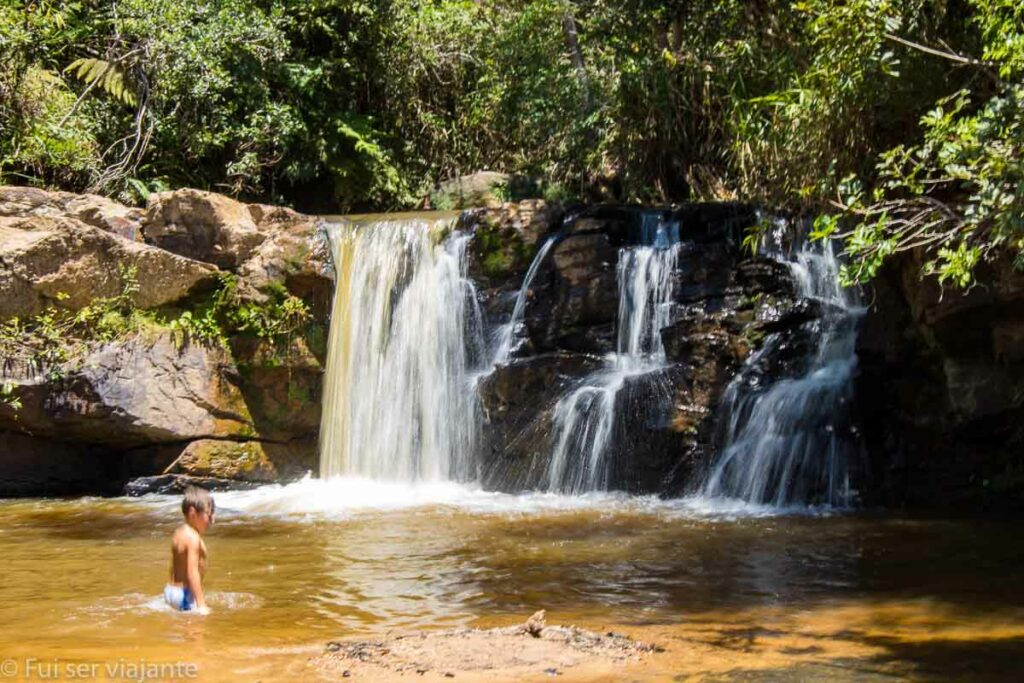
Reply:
x=177, y=483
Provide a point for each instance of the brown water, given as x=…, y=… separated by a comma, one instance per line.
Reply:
x=293, y=567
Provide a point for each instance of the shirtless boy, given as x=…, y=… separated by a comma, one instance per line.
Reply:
x=188, y=553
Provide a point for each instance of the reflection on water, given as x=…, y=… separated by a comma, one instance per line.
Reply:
x=294, y=566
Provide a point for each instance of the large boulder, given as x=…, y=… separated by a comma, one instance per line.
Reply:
x=91, y=209
x=203, y=226
x=159, y=403
x=250, y=461
x=295, y=255
x=483, y=188
x=148, y=389
x=63, y=261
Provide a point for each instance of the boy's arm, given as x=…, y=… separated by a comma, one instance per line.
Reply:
x=194, y=580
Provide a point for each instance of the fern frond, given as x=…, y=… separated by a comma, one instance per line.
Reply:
x=107, y=76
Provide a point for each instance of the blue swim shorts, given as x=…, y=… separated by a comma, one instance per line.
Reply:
x=179, y=597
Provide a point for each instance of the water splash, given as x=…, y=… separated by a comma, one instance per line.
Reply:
x=788, y=443
x=584, y=420
x=405, y=333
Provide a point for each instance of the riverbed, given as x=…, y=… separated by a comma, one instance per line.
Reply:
x=730, y=591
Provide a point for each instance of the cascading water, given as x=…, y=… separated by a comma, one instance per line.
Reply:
x=788, y=443
x=584, y=420
x=506, y=334
x=405, y=334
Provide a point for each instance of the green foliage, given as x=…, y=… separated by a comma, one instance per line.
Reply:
x=46, y=341
x=958, y=194
x=107, y=76
x=275, y=317
x=8, y=396
x=901, y=117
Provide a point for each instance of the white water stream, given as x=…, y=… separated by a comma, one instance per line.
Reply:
x=405, y=331
x=584, y=420
x=788, y=444
x=407, y=347
x=507, y=333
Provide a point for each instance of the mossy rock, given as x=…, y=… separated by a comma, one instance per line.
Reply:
x=244, y=460
x=499, y=252
x=250, y=461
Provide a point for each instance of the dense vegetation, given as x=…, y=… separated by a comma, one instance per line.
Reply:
x=899, y=122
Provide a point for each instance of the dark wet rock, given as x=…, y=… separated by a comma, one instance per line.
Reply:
x=177, y=483
x=518, y=401
x=726, y=307
x=575, y=297
x=940, y=388
x=505, y=239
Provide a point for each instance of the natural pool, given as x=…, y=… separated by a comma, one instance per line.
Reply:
x=731, y=591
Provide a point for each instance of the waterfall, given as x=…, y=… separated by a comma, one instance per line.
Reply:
x=506, y=334
x=584, y=420
x=788, y=443
x=405, y=333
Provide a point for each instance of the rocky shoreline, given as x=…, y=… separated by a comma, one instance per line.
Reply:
x=186, y=341
x=113, y=364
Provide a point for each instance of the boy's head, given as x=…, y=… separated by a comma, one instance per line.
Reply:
x=198, y=508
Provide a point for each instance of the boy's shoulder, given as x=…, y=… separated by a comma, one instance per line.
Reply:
x=185, y=534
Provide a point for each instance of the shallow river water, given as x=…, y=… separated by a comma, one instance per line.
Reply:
x=733, y=591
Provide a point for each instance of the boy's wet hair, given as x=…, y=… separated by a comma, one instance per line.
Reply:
x=198, y=499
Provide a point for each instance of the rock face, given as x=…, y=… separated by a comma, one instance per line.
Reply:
x=939, y=391
x=65, y=262
x=157, y=404
x=90, y=209
x=941, y=388
x=723, y=305
x=135, y=392
x=484, y=188
x=203, y=226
